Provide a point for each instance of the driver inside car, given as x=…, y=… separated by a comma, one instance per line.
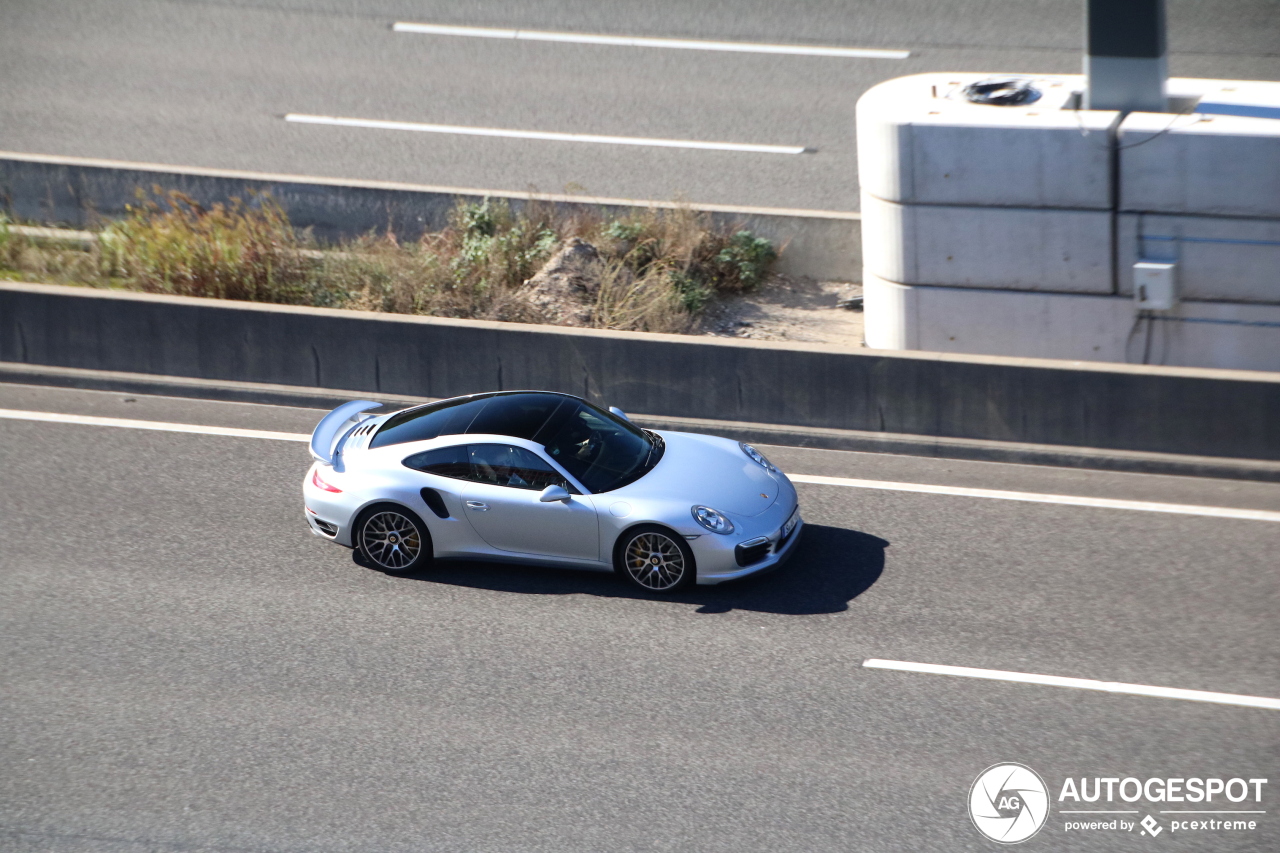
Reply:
x=491, y=464
x=577, y=440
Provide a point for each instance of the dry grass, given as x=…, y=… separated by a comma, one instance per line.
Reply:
x=657, y=271
x=240, y=251
x=644, y=303
x=35, y=260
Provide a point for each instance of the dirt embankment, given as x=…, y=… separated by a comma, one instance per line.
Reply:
x=785, y=309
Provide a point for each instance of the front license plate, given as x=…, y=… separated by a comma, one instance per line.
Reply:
x=791, y=524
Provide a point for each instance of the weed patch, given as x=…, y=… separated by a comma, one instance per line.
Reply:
x=654, y=270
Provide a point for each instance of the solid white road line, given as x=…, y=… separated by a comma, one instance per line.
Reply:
x=1033, y=497
x=162, y=426
x=1078, y=683
x=378, y=124
x=1068, y=500
x=645, y=41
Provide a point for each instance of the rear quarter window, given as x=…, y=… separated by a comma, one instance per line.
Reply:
x=443, y=461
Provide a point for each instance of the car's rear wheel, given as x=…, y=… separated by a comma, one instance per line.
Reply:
x=654, y=559
x=393, y=539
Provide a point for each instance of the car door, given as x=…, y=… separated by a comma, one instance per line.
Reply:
x=501, y=502
x=442, y=494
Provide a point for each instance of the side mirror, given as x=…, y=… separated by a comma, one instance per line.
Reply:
x=614, y=410
x=554, y=493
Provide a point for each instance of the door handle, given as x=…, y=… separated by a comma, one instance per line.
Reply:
x=478, y=506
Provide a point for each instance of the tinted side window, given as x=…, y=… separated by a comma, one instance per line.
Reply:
x=445, y=461
x=503, y=465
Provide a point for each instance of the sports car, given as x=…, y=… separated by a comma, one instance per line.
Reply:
x=547, y=479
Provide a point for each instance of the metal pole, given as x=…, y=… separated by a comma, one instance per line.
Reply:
x=1127, y=58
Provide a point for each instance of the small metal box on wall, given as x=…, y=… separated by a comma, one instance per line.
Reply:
x=1155, y=285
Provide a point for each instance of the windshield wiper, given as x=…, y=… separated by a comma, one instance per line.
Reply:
x=655, y=443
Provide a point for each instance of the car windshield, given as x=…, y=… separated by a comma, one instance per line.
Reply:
x=601, y=451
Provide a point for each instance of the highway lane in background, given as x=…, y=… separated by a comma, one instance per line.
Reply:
x=208, y=84
x=187, y=668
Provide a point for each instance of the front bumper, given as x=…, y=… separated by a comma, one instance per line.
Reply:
x=718, y=556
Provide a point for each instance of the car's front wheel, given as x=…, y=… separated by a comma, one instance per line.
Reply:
x=393, y=539
x=654, y=559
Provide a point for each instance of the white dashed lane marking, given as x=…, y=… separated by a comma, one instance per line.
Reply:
x=1078, y=683
x=648, y=41
x=545, y=136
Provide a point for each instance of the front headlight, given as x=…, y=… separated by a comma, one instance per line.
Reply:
x=758, y=458
x=712, y=520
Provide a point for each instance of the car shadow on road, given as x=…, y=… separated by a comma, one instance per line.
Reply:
x=830, y=567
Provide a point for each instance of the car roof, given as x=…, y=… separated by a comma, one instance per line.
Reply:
x=519, y=414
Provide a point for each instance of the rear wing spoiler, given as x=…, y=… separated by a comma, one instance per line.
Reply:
x=333, y=425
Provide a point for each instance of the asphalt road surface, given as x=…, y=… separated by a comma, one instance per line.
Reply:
x=186, y=668
x=208, y=83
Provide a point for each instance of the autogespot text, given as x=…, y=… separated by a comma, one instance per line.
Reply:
x=1221, y=805
x=1174, y=790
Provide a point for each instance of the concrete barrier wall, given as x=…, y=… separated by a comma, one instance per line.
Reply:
x=1169, y=410
x=76, y=191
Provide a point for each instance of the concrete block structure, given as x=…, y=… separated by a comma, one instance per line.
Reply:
x=926, y=146
x=1015, y=229
x=1199, y=163
x=953, y=245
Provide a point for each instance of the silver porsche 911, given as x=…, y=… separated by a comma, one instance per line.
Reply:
x=548, y=479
